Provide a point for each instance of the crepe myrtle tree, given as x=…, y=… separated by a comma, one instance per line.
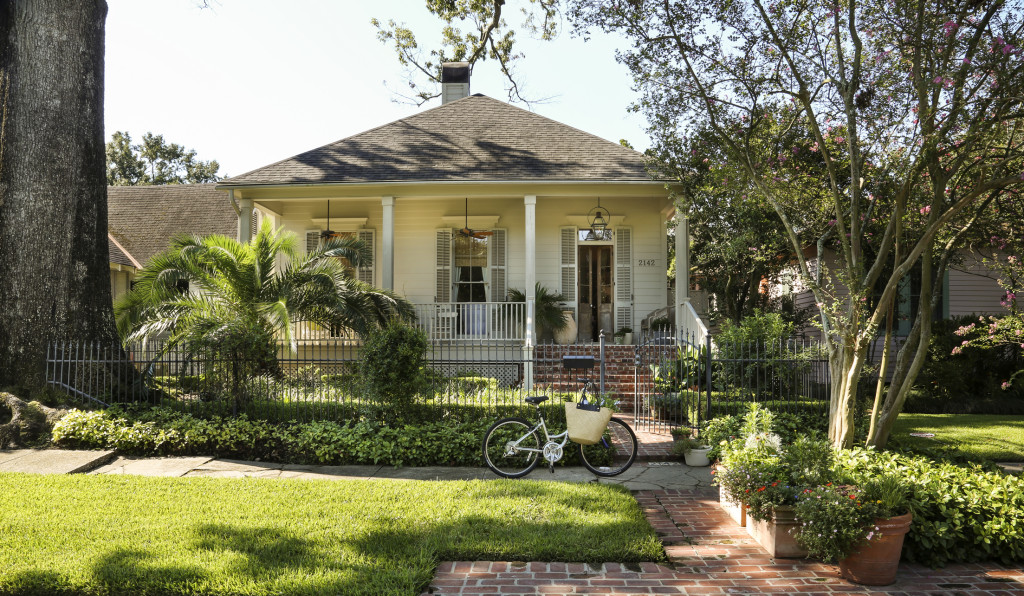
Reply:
x=913, y=108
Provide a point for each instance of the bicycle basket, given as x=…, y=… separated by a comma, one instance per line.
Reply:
x=586, y=422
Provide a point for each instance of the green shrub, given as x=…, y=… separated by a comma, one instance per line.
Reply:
x=962, y=514
x=393, y=367
x=969, y=381
x=754, y=352
x=161, y=431
x=231, y=355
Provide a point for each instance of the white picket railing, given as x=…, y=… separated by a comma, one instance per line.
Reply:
x=476, y=321
x=473, y=321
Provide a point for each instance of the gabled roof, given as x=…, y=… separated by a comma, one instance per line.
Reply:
x=118, y=255
x=143, y=219
x=472, y=139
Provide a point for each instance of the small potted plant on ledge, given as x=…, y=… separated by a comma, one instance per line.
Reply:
x=693, y=450
x=624, y=336
x=859, y=527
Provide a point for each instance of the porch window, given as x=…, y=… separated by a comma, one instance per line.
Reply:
x=365, y=272
x=470, y=265
x=589, y=235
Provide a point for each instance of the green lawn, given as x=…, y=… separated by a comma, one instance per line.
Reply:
x=993, y=437
x=134, y=535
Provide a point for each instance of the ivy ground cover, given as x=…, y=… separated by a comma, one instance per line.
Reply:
x=984, y=436
x=133, y=535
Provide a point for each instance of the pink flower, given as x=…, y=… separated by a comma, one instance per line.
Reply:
x=840, y=139
x=926, y=210
x=949, y=28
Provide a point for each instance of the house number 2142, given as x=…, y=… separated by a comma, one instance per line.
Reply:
x=646, y=262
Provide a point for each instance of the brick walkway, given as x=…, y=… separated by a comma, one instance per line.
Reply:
x=654, y=445
x=709, y=554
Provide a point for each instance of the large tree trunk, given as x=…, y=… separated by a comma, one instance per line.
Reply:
x=54, y=271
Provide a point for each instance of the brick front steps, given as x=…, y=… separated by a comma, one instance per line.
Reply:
x=708, y=554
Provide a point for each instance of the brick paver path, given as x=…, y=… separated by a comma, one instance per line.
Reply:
x=708, y=554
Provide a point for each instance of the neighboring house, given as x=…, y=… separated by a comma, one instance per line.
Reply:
x=142, y=220
x=464, y=201
x=123, y=268
x=969, y=287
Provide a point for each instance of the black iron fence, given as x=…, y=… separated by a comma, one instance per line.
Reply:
x=676, y=380
x=685, y=379
x=319, y=380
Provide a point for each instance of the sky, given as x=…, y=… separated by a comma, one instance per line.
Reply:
x=249, y=83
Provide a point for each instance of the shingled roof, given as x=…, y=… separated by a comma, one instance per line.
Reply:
x=118, y=255
x=476, y=138
x=143, y=219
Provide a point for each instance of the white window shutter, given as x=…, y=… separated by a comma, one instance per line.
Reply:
x=568, y=260
x=365, y=271
x=499, y=256
x=623, y=278
x=312, y=241
x=443, y=288
x=254, y=224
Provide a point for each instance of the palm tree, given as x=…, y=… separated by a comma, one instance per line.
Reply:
x=253, y=293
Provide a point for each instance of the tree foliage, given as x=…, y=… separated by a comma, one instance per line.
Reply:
x=155, y=161
x=912, y=107
x=473, y=30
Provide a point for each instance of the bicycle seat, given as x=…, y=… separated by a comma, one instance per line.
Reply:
x=583, y=380
x=536, y=399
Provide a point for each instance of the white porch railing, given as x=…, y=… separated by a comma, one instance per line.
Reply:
x=309, y=331
x=473, y=321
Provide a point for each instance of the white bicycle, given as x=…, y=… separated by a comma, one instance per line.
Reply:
x=512, y=446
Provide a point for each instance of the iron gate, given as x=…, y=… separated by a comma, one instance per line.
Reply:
x=671, y=380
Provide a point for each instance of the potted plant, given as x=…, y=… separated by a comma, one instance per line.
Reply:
x=548, y=313
x=624, y=336
x=693, y=450
x=767, y=478
x=860, y=527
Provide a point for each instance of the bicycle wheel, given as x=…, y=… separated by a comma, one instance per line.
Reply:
x=504, y=445
x=614, y=453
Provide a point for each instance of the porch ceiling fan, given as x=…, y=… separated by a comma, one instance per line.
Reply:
x=328, y=233
x=470, y=232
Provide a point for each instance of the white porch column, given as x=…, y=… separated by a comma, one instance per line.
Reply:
x=682, y=273
x=530, y=202
x=388, y=258
x=245, y=221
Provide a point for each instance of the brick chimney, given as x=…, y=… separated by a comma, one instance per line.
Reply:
x=454, y=81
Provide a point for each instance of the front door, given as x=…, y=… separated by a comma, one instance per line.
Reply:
x=595, y=292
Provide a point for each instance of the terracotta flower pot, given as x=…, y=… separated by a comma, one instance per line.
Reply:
x=875, y=562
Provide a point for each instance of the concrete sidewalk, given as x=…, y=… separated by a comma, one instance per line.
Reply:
x=641, y=476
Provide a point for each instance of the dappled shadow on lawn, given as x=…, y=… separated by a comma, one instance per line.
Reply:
x=264, y=551
x=138, y=571
x=37, y=583
x=536, y=524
